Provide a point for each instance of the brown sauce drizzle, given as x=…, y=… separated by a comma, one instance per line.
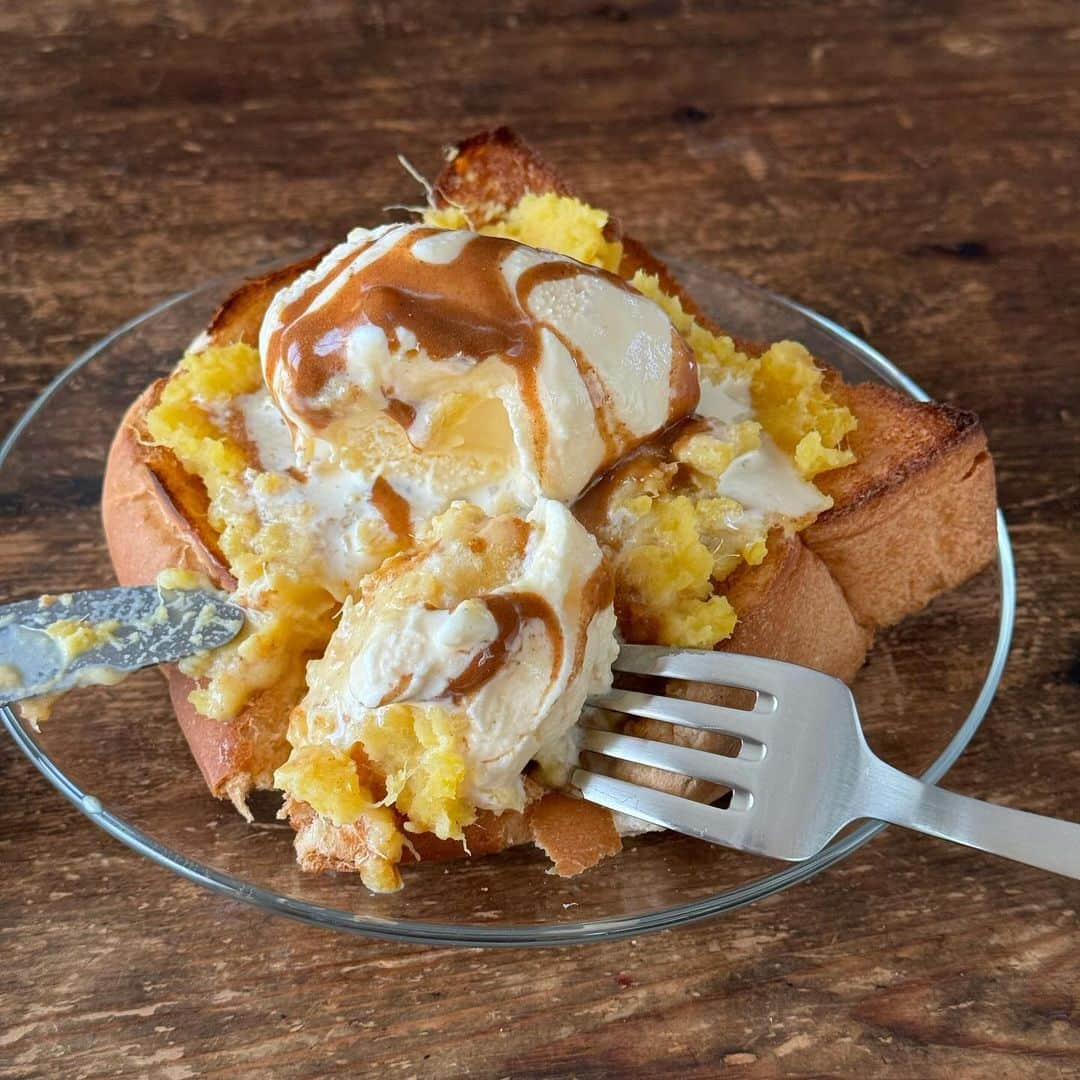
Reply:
x=596, y=594
x=511, y=611
x=464, y=309
x=401, y=412
x=308, y=379
x=392, y=507
x=592, y=507
x=684, y=386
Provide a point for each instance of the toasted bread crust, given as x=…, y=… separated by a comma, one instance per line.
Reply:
x=918, y=516
x=154, y=515
x=489, y=834
x=239, y=318
x=146, y=528
x=574, y=834
x=489, y=172
x=792, y=608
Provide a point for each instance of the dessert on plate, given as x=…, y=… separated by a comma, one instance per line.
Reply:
x=447, y=465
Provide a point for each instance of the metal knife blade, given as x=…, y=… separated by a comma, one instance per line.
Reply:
x=56, y=643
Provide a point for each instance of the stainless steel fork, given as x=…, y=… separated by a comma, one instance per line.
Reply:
x=804, y=770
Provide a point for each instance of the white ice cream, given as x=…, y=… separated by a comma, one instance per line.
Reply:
x=603, y=377
x=528, y=708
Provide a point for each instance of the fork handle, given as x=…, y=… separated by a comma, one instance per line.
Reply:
x=1048, y=843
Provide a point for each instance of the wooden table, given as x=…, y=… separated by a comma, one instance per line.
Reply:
x=912, y=174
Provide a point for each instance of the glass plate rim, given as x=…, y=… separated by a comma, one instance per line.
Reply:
x=511, y=936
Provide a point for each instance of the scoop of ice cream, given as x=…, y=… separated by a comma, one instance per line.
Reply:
x=508, y=372
x=462, y=662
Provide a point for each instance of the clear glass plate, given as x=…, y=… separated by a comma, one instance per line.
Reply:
x=119, y=756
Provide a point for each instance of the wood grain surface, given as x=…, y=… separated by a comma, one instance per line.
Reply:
x=909, y=169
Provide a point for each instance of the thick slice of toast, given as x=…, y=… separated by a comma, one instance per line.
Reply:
x=922, y=470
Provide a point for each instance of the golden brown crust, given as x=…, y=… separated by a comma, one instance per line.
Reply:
x=791, y=608
x=146, y=528
x=236, y=756
x=917, y=516
x=573, y=833
x=490, y=833
x=897, y=438
x=489, y=172
x=239, y=318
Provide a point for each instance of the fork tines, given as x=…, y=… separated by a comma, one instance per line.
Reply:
x=728, y=827
x=739, y=723
x=731, y=772
x=697, y=665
